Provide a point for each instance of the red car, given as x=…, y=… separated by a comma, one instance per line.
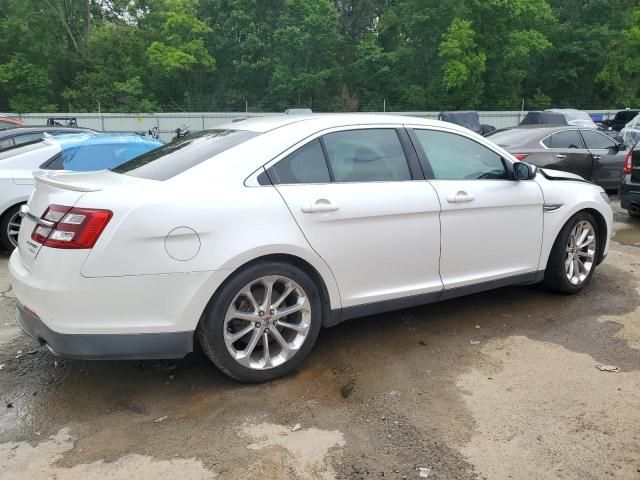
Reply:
x=7, y=122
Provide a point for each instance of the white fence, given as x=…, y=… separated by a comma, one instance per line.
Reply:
x=168, y=122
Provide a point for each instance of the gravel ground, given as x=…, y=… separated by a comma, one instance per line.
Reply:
x=498, y=385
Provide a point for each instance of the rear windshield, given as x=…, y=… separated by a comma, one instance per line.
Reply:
x=512, y=137
x=182, y=154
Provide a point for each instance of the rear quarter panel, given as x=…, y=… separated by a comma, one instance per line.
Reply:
x=233, y=225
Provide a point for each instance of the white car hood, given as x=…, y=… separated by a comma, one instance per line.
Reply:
x=560, y=175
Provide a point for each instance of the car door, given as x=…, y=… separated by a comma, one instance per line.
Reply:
x=361, y=200
x=568, y=153
x=608, y=158
x=491, y=225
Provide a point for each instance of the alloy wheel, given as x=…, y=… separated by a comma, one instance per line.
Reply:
x=581, y=252
x=13, y=228
x=267, y=322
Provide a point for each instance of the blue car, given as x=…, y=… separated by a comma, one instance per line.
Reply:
x=102, y=151
x=80, y=152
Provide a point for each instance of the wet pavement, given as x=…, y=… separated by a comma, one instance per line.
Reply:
x=497, y=385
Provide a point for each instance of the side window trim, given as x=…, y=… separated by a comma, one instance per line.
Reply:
x=422, y=156
x=411, y=154
x=332, y=177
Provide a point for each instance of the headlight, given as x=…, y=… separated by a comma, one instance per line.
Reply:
x=606, y=197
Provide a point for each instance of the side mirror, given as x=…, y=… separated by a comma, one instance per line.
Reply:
x=621, y=147
x=524, y=171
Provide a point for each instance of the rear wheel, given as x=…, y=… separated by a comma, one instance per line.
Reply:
x=263, y=323
x=10, y=227
x=574, y=254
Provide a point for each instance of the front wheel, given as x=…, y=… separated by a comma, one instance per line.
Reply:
x=574, y=255
x=262, y=323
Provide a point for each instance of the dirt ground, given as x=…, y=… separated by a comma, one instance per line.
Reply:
x=500, y=385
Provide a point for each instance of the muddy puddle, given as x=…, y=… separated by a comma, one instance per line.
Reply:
x=628, y=236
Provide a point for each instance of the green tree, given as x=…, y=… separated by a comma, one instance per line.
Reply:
x=620, y=76
x=463, y=67
x=26, y=84
x=307, y=52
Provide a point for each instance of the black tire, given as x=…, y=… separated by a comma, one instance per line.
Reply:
x=555, y=278
x=5, y=243
x=634, y=214
x=210, y=330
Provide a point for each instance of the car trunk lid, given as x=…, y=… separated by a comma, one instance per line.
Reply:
x=58, y=188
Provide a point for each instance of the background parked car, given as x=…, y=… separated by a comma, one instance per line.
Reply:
x=79, y=152
x=7, y=122
x=618, y=122
x=630, y=186
x=544, y=118
x=575, y=117
x=593, y=155
x=469, y=120
x=17, y=136
x=630, y=134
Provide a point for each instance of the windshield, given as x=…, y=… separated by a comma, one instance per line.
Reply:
x=184, y=153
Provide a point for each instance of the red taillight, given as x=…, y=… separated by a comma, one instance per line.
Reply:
x=627, y=163
x=521, y=156
x=74, y=228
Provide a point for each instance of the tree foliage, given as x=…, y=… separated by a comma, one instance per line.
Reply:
x=344, y=55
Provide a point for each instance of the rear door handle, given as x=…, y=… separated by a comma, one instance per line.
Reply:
x=561, y=157
x=321, y=205
x=461, y=197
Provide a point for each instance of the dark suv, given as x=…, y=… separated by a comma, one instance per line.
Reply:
x=630, y=187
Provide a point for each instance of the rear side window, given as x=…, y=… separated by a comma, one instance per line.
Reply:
x=566, y=139
x=305, y=165
x=184, y=153
x=595, y=140
x=29, y=137
x=371, y=155
x=454, y=157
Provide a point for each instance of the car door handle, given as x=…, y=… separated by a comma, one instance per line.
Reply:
x=597, y=157
x=321, y=205
x=561, y=157
x=461, y=197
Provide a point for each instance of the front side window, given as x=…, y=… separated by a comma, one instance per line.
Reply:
x=595, y=140
x=567, y=139
x=305, y=165
x=454, y=157
x=370, y=155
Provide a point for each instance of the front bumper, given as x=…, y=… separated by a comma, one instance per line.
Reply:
x=106, y=346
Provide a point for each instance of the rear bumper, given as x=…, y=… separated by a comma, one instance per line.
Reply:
x=106, y=346
x=629, y=193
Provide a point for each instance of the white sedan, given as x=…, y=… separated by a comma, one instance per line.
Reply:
x=252, y=237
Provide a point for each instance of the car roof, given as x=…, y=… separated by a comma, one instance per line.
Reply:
x=40, y=128
x=319, y=121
